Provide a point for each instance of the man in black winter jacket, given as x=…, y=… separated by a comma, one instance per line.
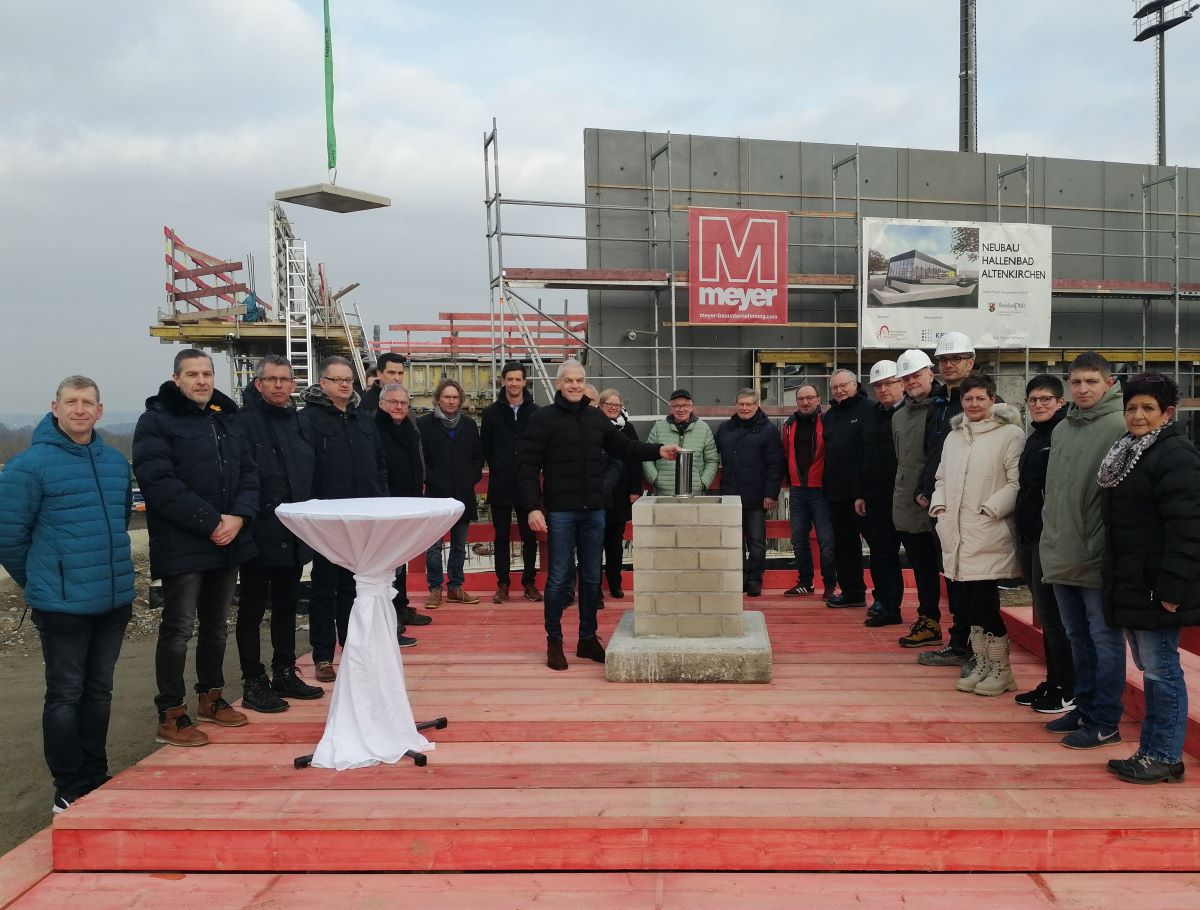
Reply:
x=284, y=455
x=565, y=443
x=503, y=425
x=844, y=421
x=349, y=465
x=201, y=487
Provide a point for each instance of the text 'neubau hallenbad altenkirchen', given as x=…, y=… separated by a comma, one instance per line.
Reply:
x=1011, y=260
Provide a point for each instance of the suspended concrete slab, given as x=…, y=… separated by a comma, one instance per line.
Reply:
x=332, y=198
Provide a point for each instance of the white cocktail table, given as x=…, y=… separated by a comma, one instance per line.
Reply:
x=370, y=720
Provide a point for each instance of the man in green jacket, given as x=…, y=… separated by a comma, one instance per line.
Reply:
x=1072, y=551
x=684, y=429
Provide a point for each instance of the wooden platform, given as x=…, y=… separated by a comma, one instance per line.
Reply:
x=854, y=760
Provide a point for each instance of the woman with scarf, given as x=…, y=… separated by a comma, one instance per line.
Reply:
x=627, y=489
x=974, y=497
x=1150, y=500
x=454, y=464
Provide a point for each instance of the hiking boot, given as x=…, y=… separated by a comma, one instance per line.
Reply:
x=799, y=590
x=214, y=709
x=501, y=595
x=1068, y=723
x=1053, y=700
x=981, y=668
x=1115, y=764
x=434, y=600
x=999, y=678
x=844, y=600
x=555, y=659
x=287, y=682
x=175, y=728
x=325, y=671
x=590, y=648
x=1142, y=769
x=923, y=632
x=884, y=617
x=257, y=695
x=1090, y=736
x=405, y=641
x=944, y=656
x=410, y=617
x=532, y=593
x=455, y=594
x=1026, y=699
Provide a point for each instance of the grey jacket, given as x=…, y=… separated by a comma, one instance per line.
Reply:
x=908, y=433
x=1072, y=543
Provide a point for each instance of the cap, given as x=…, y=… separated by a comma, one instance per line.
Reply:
x=681, y=393
x=884, y=369
x=911, y=361
x=954, y=343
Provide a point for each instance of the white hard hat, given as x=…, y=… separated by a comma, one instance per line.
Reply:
x=954, y=343
x=911, y=361
x=884, y=369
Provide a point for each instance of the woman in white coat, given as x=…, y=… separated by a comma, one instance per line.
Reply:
x=973, y=501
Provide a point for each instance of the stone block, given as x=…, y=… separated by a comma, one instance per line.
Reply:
x=727, y=559
x=676, y=559
x=699, y=626
x=643, y=512
x=666, y=604
x=733, y=626
x=727, y=602
x=650, y=536
x=667, y=658
x=702, y=581
x=643, y=558
x=727, y=514
x=651, y=581
x=732, y=537
x=701, y=536
x=654, y=625
x=731, y=581
x=676, y=514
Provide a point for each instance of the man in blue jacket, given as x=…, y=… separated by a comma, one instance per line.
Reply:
x=196, y=470
x=64, y=515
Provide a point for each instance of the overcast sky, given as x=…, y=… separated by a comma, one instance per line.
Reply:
x=119, y=118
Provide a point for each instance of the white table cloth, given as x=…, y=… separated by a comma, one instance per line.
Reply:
x=370, y=719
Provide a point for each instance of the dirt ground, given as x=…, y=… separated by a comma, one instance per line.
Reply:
x=25, y=788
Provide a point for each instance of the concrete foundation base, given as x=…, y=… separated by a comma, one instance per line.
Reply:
x=668, y=658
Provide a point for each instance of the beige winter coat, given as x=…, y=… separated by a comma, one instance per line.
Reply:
x=976, y=494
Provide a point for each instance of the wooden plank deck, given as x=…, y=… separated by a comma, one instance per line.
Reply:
x=855, y=759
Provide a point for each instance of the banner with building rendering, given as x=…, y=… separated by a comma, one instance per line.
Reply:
x=924, y=278
x=737, y=266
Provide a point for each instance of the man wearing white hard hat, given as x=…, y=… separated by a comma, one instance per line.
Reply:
x=911, y=517
x=873, y=495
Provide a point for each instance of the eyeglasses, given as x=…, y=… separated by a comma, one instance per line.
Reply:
x=1041, y=399
x=610, y=404
x=952, y=359
x=681, y=407
x=394, y=402
x=848, y=384
x=277, y=380
x=338, y=379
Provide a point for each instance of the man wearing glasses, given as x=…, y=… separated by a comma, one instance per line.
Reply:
x=349, y=465
x=804, y=459
x=684, y=429
x=844, y=422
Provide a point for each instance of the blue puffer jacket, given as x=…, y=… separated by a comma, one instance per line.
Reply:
x=64, y=511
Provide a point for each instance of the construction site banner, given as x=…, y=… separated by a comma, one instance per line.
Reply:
x=922, y=279
x=737, y=266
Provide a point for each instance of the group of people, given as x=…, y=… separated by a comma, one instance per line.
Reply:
x=1097, y=507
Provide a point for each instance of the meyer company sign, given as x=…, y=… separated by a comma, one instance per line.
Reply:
x=737, y=266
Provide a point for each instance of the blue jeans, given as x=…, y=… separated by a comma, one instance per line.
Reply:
x=809, y=509
x=1156, y=654
x=570, y=534
x=458, y=556
x=1098, y=654
x=80, y=654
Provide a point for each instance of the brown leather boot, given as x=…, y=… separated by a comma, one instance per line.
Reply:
x=555, y=659
x=501, y=595
x=175, y=728
x=434, y=600
x=216, y=710
x=456, y=594
x=532, y=593
x=590, y=648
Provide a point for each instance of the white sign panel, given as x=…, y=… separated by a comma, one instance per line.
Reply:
x=922, y=279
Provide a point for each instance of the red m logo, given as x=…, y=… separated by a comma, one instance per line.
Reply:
x=746, y=259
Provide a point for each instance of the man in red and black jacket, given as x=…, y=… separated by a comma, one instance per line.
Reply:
x=804, y=453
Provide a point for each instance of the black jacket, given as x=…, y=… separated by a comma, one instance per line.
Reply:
x=751, y=459
x=1031, y=495
x=403, y=453
x=193, y=466
x=876, y=482
x=622, y=477
x=565, y=442
x=368, y=401
x=453, y=464
x=844, y=422
x=284, y=455
x=1152, y=532
x=500, y=433
x=350, y=461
